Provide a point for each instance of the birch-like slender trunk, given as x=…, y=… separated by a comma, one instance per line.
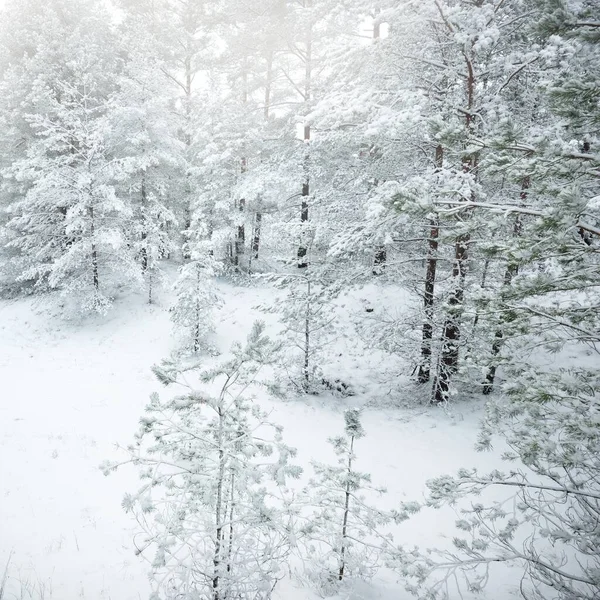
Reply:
x=380, y=257
x=346, y=512
x=218, y=542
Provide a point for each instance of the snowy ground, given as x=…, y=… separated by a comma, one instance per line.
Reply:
x=72, y=390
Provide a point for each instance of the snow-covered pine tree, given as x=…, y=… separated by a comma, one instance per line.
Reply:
x=144, y=135
x=182, y=42
x=466, y=81
x=307, y=316
x=547, y=525
x=342, y=531
x=196, y=299
x=68, y=221
x=214, y=468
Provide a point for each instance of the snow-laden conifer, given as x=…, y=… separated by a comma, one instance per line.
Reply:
x=211, y=509
x=341, y=530
x=195, y=301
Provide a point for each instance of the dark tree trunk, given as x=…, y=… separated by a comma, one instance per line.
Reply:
x=240, y=238
x=451, y=334
x=94, y=251
x=304, y=215
x=512, y=269
x=239, y=242
x=240, y=232
x=424, y=373
x=256, y=235
x=449, y=352
x=144, y=236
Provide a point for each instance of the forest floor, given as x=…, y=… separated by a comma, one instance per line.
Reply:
x=73, y=388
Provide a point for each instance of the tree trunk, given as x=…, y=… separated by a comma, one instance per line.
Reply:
x=424, y=373
x=256, y=235
x=346, y=513
x=189, y=76
x=144, y=235
x=231, y=515
x=196, y=333
x=449, y=351
x=304, y=215
x=94, y=250
x=512, y=269
x=307, y=319
x=240, y=238
x=380, y=258
x=303, y=247
x=240, y=235
x=219, y=510
x=267, y=108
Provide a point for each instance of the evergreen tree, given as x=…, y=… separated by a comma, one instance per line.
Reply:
x=145, y=141
x=307, y=316
x=68, y=221
x=343, y=539
x=195, y=301
x=211, y=505
x=548, y=524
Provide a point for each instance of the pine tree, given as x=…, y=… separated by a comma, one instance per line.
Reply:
x=547, y=526
x=342, y=531
x=307, y=316
x=211, y=505
x=195, y=301
x=69, y=221
x=145, y=141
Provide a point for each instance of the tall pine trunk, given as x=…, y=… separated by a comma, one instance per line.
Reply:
x=239, y=245
x=256, y=234
x=188, y=145
x=424, y=373
x=380, y=258
x=266, y=112
x=144, y=234
x=94, y=250
x=512, y=269
x=448, y=361
x=304, y=214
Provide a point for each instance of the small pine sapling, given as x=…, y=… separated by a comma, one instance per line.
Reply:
x=196, y=300
x=306, y=313
x=342, y=531
x=214, y=469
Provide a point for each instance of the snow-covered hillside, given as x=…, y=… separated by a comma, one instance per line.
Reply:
x=74, y=389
